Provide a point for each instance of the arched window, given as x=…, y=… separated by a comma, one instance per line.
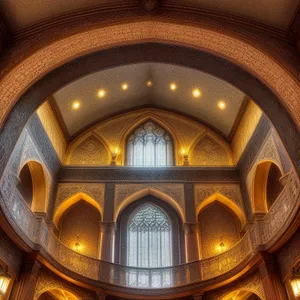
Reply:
x=149, y=238
x=149, y=146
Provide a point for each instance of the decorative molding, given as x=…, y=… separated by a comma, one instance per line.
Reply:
x=67, y=190
x=174, y=191
x=131, y=174
x=231, y=191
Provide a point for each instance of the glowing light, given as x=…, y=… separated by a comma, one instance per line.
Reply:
x=124, y=86
x=101, y=93
x=149, y=83
x=77, y=247
x=76, y=105
x=296, y=287
x=4, y=281
x=196, y=93
x=173, y=86
x=221, y=247
x=222, y=105
x=116, y=151
x=183, y=152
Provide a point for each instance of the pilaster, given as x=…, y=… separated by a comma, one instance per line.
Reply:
x=107, y=230
x=273, y=287
x=198, y=296
x=24, y=288
x=191, y=231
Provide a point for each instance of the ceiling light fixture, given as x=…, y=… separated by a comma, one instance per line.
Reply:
x=76, y=105
x=124, y=86
x=149, y=83
x=196, y=93
x=101, y=93
x=173, y=86
x=222, y=105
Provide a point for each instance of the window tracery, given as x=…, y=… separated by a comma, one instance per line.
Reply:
x=149, y=239
x=150, y=146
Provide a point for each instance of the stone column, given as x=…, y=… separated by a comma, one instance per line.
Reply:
x=107, y=230
x=24, y=288
x=191, y=227
x=198, y=296
x=101, y=296
x=273, y=287
x=191, y=241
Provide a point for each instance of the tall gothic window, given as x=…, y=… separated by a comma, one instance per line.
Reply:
x=149, y=239
x=150, y=146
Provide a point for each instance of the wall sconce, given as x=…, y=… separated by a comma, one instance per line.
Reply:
x=4, y=280
x=185, y=157
x=296, y=286
x=221, y=246
x=77, y=245
x=114, y=157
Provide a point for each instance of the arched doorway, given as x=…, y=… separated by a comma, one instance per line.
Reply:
x=241, y=295
x=57, y=294
x=266, y=186
x=32, y=186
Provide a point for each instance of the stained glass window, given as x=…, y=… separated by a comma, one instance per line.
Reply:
x=150, y=146
x=149, y=239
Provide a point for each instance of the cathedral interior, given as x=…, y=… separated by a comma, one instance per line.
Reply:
x=149, y=149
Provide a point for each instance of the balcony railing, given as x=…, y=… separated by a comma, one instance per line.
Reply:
x=36, y=230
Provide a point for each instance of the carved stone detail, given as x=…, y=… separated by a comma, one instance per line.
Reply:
x=232, y=191
x=66, y=190
x=175, y=191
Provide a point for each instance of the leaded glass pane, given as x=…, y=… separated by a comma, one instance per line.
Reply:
x=150, y=146
x=149, y=238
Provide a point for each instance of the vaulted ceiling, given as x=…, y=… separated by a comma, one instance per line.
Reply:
x=204, y=108
x=276, y=13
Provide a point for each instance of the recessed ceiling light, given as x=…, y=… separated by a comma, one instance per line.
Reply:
x=149, y=83
x=124, y=86
x=221, y=104
x=173, y=86
x=101, y=93
x=76, y=105
x=196, y=93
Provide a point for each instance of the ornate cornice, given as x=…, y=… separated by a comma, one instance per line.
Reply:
x=128, y=174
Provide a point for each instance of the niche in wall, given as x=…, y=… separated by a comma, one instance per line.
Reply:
x=80, y=224
x=217, y=224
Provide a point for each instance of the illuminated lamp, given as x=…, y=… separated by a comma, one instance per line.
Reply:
x=4, y=280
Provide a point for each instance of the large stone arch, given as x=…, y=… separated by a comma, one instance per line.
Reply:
x=259, y=76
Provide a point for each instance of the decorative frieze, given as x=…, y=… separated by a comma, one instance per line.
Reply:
x=67, y=190
x=174, y=191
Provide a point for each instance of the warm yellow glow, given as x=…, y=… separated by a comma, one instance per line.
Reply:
x=221, y=247
x=222, y=105
x=116, y=151
x=124, y=86
x=196, y=93
x=173, y=86
x=76, y=105
x=101, y=93
x=183, y=152
x=4, y=283
x=149, y=83
x=296, y=287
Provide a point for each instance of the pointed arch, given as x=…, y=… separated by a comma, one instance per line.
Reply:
x=177, y=144
x=213, y=139
x=101, y=149
x=145, y=192
x=234, y=208
x=70, y=202
x=259, y=193
x=40, y=189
